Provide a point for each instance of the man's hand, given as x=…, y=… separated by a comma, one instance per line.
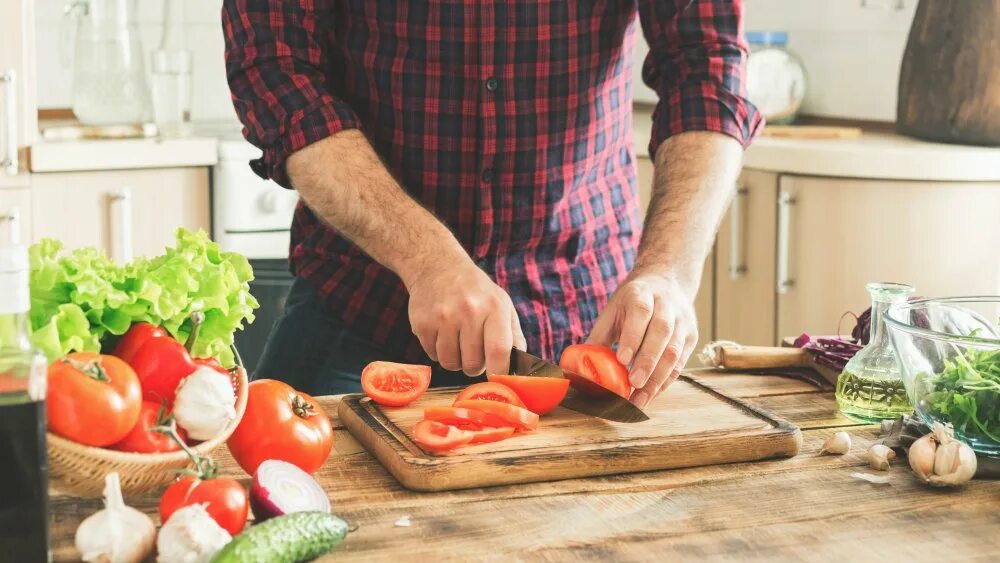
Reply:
x=651, y=315
x=464, y=321
x=651, y=318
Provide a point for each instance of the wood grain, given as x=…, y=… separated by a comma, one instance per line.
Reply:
x=950, y=74
x=690, y=426
x=806, y=508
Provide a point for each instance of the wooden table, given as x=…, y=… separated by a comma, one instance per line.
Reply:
x=808, y=507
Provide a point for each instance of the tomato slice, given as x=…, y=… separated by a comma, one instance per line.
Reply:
x=595, y=370
x=520, y=418
x=472, y=418
x=395, y=385
x=438, y=437
x=490, y=392
x=539, y=394
x=487, y=435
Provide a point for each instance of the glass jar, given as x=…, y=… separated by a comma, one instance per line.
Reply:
x=871, y=386
x=776, y=77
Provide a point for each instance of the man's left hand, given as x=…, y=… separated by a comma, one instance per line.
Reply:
x=651, y=317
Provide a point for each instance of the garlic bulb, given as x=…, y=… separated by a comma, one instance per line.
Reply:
x=205, y=404
x=839, y=443
x=940, y=460
x=190, y=536
x=118, y=533
x=879, y=457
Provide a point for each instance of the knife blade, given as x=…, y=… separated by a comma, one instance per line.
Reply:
x=609, y=407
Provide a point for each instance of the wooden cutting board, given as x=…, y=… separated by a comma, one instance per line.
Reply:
x=690, y=425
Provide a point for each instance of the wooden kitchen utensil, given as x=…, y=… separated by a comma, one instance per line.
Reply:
x=692, y=425
x=812, y=132
x=770, y=360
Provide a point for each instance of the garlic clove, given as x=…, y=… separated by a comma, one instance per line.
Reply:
x=921, y=456
x=839, y=443
x=940, y=460
x=879, y=456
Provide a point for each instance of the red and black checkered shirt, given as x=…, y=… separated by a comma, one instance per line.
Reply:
x=510, y=120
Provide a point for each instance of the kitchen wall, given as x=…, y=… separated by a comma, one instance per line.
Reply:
x=851, y=50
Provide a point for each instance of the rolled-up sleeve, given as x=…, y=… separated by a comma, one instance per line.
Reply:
x=275, y=58
x=697, y=66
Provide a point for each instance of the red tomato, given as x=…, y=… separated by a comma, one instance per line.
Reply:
x=281, y=423
x=522, y=419
x=160, y=361
x=486, y=435
x=438, y=437
x=472, y=418
x=489, y=392
x=92, y=399
x=395, y=385
x=227, y=500
x=539, y=394
x=143, y=439
x=595, y=370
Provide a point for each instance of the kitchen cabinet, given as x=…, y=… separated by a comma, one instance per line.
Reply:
x=15, y=206
x=18, y=108
x=704, y=301
x=806, y=246
x=125, y=212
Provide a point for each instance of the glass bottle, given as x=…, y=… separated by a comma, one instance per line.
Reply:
x=24, y=486
x=871, y=387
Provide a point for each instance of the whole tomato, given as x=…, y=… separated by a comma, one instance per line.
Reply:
x=143, y=438
x=92, y=399
x=225, y=499
x=281, y=423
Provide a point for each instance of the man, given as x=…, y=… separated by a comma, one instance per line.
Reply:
x=468, y=177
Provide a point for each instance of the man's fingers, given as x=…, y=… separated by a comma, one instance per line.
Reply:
x=498, y=340
x=518, y=336
x=603, y=332
x=642, y=396
x=658, y=334
x=428, y=341
x=448, y=352
x=471, y=345
x=638, y=313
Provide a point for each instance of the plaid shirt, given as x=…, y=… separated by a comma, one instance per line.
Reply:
x=511, y=121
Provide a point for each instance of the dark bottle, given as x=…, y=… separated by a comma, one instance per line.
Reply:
x=24, y=529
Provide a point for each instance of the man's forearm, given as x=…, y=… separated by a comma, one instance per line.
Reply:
x=343, y=181
x=694, y=177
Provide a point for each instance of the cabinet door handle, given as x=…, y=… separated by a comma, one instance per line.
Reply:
x=737, y=258
x=120, y=210
x=9, y=160
x=785, y=203
x=13, y=220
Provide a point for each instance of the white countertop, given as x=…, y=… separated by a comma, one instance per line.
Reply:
x=118, y=154
x=873, y=155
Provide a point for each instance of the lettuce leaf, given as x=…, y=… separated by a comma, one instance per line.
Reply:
x=81, y=299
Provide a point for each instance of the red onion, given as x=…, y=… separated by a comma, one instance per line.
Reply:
x=829, y=352
x=281, y=488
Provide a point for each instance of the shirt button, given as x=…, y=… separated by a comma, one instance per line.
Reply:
x=492, y=83
x=488, y=175
x=482, y=263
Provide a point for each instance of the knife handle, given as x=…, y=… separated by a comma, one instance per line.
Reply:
x=759, y=357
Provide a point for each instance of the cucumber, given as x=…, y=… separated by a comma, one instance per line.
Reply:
x=300, y=536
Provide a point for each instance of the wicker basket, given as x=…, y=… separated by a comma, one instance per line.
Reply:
x=79, y=470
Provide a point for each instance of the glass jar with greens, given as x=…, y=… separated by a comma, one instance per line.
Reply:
x=871, y=386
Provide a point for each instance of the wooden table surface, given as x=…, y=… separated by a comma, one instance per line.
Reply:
x=805, y=508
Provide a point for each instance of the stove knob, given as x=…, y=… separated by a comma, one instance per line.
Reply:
x=268, y=202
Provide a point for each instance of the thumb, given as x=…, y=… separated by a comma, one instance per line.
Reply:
x=605, y=330
x=515, y=323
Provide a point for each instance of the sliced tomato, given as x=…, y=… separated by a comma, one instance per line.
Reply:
x=487, y=435
x=438, y=437
x=472, y=418
x=595, y=370
x=490, y=392
x=395, y=385
x=539, y=394
x=520, y=418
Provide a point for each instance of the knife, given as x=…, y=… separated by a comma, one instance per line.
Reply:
x=609, y=407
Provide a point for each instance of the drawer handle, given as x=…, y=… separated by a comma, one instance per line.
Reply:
x=737, y=258
x=13, y=220
x=9, y=161
x=120, y=210
x=785, y=203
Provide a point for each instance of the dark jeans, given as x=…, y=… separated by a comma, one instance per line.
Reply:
x=316, y=353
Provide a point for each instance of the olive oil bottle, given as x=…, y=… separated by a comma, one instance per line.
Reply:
x=871, y=387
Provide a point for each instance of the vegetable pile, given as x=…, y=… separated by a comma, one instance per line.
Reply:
x=81, y=299
x=497, y=409
x=967, y=394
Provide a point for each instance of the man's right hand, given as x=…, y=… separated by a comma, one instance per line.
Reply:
x=464, y=321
